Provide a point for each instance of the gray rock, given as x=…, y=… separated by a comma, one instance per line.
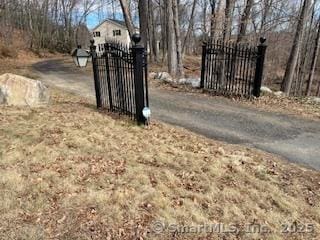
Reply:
x=17, y=90
x=164, y=76
x=315, y=99
x=279, y=94
x=265, y=89
x=152, y=75
x=194, y=82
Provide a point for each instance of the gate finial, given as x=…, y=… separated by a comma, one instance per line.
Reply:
x=263, y=40
x=136, y=38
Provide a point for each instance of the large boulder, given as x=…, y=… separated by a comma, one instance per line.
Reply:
x=17, y=90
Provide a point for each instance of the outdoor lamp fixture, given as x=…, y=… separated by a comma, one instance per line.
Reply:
x=80, y=57
x=146, y=112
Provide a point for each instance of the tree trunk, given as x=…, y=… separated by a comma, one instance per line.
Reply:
x=292, y=61
x=215, y=9
x=178, y=37
x=154, y=50
x=127, y=16
x=244, y=20
x=265, y=13
x=191, y=24
x=143, y=20
x=164, y=28
x=314, y=62
x=204, y=21
x=171, y=39
x=228, y=19
x=303, y=58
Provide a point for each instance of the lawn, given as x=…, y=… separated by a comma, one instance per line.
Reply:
x=69, y=171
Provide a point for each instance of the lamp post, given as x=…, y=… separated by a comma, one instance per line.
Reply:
x=80, y=57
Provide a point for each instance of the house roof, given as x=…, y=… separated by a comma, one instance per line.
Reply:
x=123, y=23
x=115, y=21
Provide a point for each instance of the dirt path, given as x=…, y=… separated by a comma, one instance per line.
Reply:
x=295, y=139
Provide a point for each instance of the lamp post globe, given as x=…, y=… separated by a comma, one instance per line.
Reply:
x=80, y=57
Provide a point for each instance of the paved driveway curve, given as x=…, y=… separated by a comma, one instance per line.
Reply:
x=297, y=140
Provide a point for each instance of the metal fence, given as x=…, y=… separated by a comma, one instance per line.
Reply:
x=232, y=69
x=120, y=76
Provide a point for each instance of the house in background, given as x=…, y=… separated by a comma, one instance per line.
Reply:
x=110, y=29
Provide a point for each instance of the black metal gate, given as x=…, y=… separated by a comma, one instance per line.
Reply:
x=120, y=76
x=232, y=69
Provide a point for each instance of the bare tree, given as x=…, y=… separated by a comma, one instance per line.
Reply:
x=215, y=9
x=171, y=39
x=178, y=38
x=314, y=61
x=228, y=19
x=143, y=20
x=245, y=20
x=191, y=25
x=127, y=16
x=293, y=58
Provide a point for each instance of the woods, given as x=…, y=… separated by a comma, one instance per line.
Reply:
x=291, y=30
x=56, y=25
x=174, y=29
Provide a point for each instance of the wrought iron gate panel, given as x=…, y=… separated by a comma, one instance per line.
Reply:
x=121, y=79
x=232, y=69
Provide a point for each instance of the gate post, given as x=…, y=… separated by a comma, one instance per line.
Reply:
x=203, y=65
x=106, y=52
x=259, y=67
x=94, y=56
x=138, y=71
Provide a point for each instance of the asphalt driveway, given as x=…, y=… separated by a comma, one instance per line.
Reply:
x=296, y=139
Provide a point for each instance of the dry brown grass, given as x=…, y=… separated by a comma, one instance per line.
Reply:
x=298, y=106
x=70, y=172
x=19, y=64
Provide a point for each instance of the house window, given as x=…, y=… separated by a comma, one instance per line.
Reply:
x=101, y=47
x=96, y=34
x=116, y=33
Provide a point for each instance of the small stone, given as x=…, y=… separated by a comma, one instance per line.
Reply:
x=279, y=93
